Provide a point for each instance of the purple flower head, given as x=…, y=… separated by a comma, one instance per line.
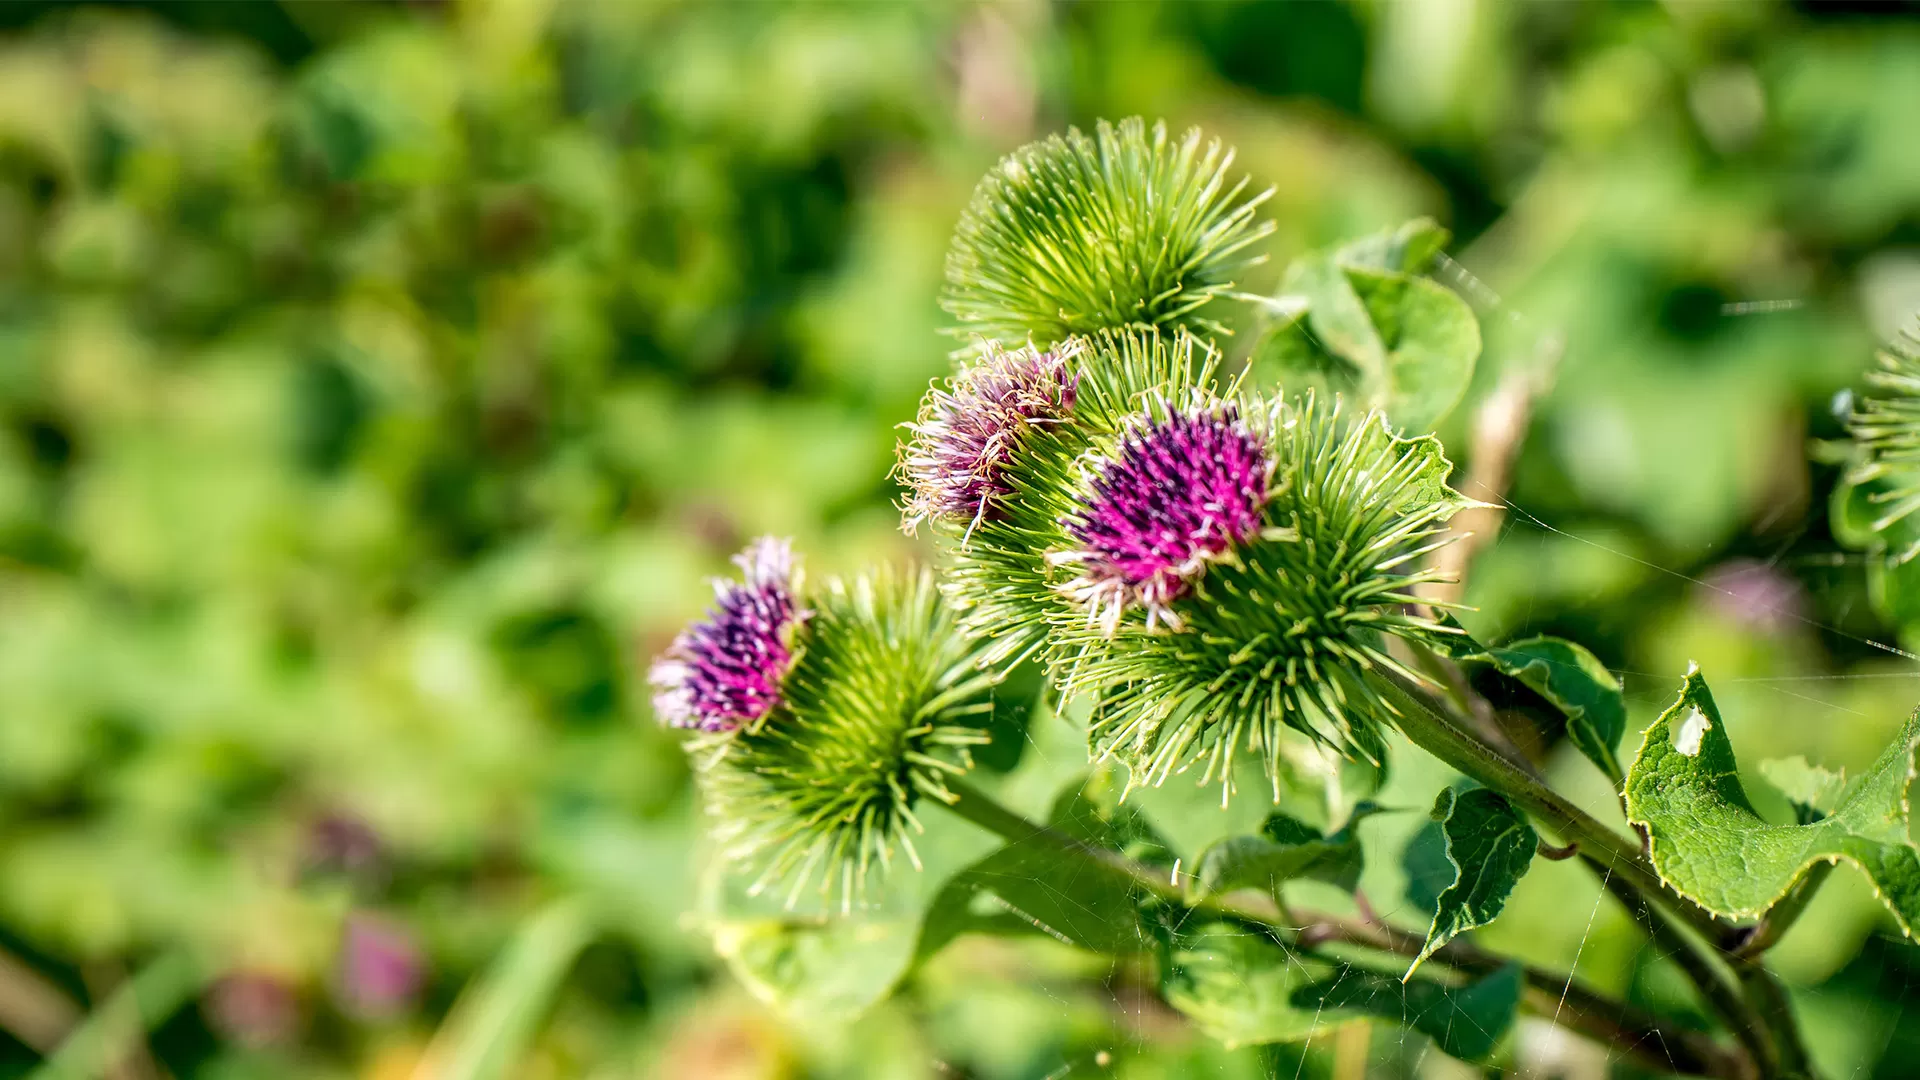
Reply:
x=726, y=671
x=1180, y=491
x=381, y=967
x=956, y=463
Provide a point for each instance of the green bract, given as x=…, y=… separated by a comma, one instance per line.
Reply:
x=1709, y=844
x=1072, y=235
x=1291, y=630
x=1886, y=425
x=998, y=578
x=874, y=716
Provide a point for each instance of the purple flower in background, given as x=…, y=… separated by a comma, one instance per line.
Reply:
x=340, y=843
x=381, y=968
x=1180, y=492
x=956, y=463
x=726, y=671
x=1754, y=593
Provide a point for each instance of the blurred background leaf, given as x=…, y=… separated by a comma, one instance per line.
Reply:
x=379, y=382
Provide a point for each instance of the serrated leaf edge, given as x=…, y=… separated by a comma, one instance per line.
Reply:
x=1912, y=741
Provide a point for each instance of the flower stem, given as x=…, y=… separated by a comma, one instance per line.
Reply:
x=1576, y=1007
x=1437, y=733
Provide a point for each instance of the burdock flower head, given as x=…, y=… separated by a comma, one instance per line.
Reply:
x=870, y=715
x=1128, y=227
x=1886, y=427
x=1309, y=529
x=967, y=434
x=726, y=671
x=1184, y=488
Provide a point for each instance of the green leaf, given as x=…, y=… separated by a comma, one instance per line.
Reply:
x=1030, y=886
x=1813, y=790
x=821, y=970
x=1408, y=248
x=1238, y=986
x=1466, y=1021
x=1284, y=850
x=819, y=965
x=1490, y=846
x=496, y=1017
x=1575, y=682
x=1709, y=844
x=1432, y=341
x=1374, y=329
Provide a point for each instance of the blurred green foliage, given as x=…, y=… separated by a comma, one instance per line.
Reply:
x=378, y=383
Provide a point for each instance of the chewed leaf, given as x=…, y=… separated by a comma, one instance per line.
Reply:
x=1285, y=850
x=1577, y=684
x=1813, y=791
x=1467, y=1021
x=1709, y=844
x=1490, y=846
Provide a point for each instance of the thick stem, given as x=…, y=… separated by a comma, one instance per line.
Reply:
x=1717, y=990
x=1435, y=732
x=1653, y=1042
x=1769, y=999
x=1610, y=1022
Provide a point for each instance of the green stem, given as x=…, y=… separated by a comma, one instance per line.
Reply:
x=1437, y=733
x=1769, y=999
x=1717, y=990
x=1606, y=1021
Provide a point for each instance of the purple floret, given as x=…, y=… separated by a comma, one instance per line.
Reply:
x=1180, y=492
x=956, y=463
x=726, y=671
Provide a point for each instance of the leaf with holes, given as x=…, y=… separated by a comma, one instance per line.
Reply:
x=1708, y=843
x=1490, y=846
x=1466, y=1021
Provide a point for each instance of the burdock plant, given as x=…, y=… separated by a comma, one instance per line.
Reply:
x=1207, y=573
x=826, y=725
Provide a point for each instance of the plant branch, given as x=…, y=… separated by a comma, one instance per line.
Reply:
x=1608, y=1021
x=1576, y=1006
x=1437, y=733
x=1720, y=993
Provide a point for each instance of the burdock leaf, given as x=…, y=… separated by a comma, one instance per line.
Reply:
x=1406, y=249
x=1432, y=341
x=825, y=970
x=1467, y=1021
x=1709, y=844
x=1814, y=791
x=1575, y=682
x=1374, y=329
x=1030, y=886
x=1239, y=987
x=1284, y=849
x=1490, y=846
